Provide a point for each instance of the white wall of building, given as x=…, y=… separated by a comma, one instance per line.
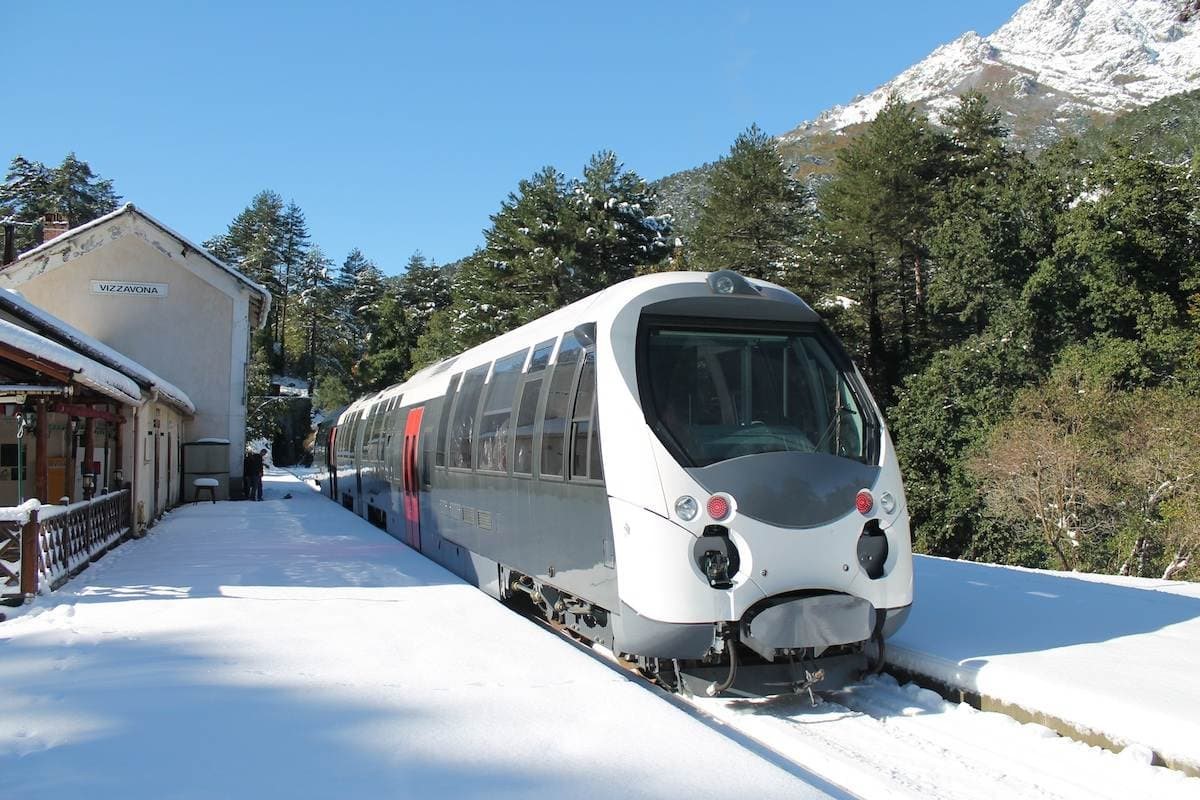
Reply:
x=194, y=331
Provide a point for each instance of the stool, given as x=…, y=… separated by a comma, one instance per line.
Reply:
x=204, y=485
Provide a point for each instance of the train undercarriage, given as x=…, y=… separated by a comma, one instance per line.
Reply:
x=735, y=664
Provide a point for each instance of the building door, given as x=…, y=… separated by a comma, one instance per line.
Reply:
x=412, y=487
x=156, y=506
x=170, y=473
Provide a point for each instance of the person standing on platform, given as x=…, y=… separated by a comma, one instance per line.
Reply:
x=254, y=474
x=247, y=474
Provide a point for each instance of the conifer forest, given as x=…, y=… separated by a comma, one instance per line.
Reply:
x=1028, y=321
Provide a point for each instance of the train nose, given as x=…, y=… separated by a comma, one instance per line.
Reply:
x=817, y=620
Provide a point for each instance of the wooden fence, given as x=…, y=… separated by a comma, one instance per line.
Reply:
x=44, y=549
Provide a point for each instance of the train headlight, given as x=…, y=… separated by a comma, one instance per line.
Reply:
x=864, y=502
x=686, y=508
x=887, y=502
x=723, y=284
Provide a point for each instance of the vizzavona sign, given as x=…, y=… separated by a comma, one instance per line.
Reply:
x=130, y=288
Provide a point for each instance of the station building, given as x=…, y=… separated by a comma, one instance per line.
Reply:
x=78, y=419
x=153, y=299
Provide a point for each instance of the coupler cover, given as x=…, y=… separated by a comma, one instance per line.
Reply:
x=818, y=621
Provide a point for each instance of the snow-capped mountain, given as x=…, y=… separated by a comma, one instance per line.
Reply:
x=1056, y=66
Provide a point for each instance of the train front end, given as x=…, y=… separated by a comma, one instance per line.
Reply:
x=777, y=521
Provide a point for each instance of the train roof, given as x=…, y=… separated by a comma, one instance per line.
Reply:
x=601, y=308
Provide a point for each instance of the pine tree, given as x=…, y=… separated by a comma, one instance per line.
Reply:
x=254, y=244
x=315, y=320
x=991, y=222
x=294, y=243
x=530, y=251
x=387, y=356
x=1125, y=266
x=360, y=289
x=31, y=190
x=622, y=233
x=876, y=212
x=422, y=290
x=79, y=193
x=755, y=216
x=525, y=269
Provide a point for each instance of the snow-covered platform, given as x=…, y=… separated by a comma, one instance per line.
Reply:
x=289, y=649
x=1117, y=657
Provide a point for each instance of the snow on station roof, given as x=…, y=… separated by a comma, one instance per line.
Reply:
x=90, y=349
x=86, y=371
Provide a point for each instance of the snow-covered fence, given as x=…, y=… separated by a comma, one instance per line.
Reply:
x=73, y=536
x=41, y=548
x=16, y=527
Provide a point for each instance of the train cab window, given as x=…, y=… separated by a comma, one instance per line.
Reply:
x=462, y=425
x=496, y=418
x=581, y=419
x=558, y=406
x=721, y=394
x=444, y=421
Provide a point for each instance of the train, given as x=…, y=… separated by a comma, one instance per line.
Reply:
x=684, y=468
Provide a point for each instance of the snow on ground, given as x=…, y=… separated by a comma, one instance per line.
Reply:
x=880, y=739
x=289, y=649
x=1114, y=655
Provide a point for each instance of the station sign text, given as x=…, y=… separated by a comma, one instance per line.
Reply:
x=130, y=288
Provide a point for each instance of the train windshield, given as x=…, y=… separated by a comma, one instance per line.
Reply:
x=718, y=394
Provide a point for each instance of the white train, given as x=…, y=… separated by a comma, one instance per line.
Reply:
x=679, y=467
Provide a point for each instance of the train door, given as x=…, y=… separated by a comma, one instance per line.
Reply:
x=412, y=488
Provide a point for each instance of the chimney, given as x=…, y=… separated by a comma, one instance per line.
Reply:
x=54, y=225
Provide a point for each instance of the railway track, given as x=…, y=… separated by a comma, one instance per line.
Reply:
x=879, y=738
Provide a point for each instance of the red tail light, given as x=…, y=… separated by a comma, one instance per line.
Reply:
x=718, y=507
x=864, y=502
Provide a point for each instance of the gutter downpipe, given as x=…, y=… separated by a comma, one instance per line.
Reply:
x=135, y=521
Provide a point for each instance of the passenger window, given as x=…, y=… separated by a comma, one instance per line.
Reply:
x=541, y=356
x=558, y=406
x=497, y=413
x=581, y=417
x=458, y=451
x=444, y=420
x=531, y=391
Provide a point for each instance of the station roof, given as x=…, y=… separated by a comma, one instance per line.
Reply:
x=36, y=350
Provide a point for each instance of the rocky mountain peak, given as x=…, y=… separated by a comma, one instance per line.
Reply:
x=1055, y=66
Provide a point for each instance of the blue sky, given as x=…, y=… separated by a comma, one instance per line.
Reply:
x=402, y=126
